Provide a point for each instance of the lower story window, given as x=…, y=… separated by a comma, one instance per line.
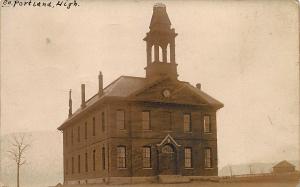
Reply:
x=208, y=157
x=121, y=157
x=146, y=157
x=188, y=157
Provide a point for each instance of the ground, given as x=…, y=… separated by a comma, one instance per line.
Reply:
x=204, y=184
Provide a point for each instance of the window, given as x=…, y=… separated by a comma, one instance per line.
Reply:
x=121, y=119
x=85, y=130
x=72, y=136
x=147, y=157
x=86, y=163
x=208, y=158
x=121, y=157
x=94, y=127
x=94, y=160
x=72, y=165
x=187, y=123
x=103, y=121
x=67, y=167
x=146, y=120
x=207, y=128
x=103, y=158
x=167, y=149
x=78, y=163
x=78, y=134
x=188, y=157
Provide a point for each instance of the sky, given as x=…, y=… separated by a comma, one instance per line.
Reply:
x=244, y=53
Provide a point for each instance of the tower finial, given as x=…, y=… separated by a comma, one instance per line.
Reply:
x=70, y=102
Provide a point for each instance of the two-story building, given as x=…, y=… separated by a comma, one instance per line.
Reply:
x=138, y=128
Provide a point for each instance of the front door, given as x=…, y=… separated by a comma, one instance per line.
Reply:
x=167, y=160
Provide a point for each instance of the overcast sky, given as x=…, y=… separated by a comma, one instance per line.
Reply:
x=244, y=53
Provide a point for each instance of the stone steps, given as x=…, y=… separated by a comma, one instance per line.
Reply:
x=171, y=179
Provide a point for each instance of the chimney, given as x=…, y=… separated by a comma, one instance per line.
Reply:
x=100, y=77
x=198, y=85
x=82, y=95
x=70, y=103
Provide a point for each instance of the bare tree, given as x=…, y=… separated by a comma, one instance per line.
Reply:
x=18, y=147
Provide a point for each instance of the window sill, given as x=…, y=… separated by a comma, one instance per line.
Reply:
x=188, y=132
x=188, y=168
x=208, y=133
x=147, y=130
x=147, y=168
x=209, y=168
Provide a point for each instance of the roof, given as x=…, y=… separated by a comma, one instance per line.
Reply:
x=210, y=100
x=126, y=86
x=283, y=164
x=160, y=17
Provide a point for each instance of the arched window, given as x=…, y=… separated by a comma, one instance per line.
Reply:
x=121, y=156
x=167, y=149
x=160, y=54
x=152, y=53
x=168, y=53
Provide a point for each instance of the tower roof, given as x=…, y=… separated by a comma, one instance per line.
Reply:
x=160, y=18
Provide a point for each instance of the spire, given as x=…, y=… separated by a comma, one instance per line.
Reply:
x=160, y=41
x=160, y=19
x=70, y=103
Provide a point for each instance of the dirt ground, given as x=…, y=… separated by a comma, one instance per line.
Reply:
x=206, y=184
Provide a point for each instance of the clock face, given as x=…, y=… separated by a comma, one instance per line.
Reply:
x=166, y=93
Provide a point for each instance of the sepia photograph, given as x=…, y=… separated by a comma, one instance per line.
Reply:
x=140, y=93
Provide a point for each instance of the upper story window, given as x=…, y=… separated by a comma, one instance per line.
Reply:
x=121, y=119
x=146, y=157
x=103, y=121
x=207, y=124
x=94, y=126
x=78, y=134
x=121, y=157
x=146, y=120
x=208, y=157
x=187, y=157
x=85, y=130
x=187, y=123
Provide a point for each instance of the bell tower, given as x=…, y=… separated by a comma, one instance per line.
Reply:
x=160, y=45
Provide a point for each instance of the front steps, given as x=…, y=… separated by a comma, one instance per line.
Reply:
x=171, y=179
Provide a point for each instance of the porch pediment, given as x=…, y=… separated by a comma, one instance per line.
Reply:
x=168, y=140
